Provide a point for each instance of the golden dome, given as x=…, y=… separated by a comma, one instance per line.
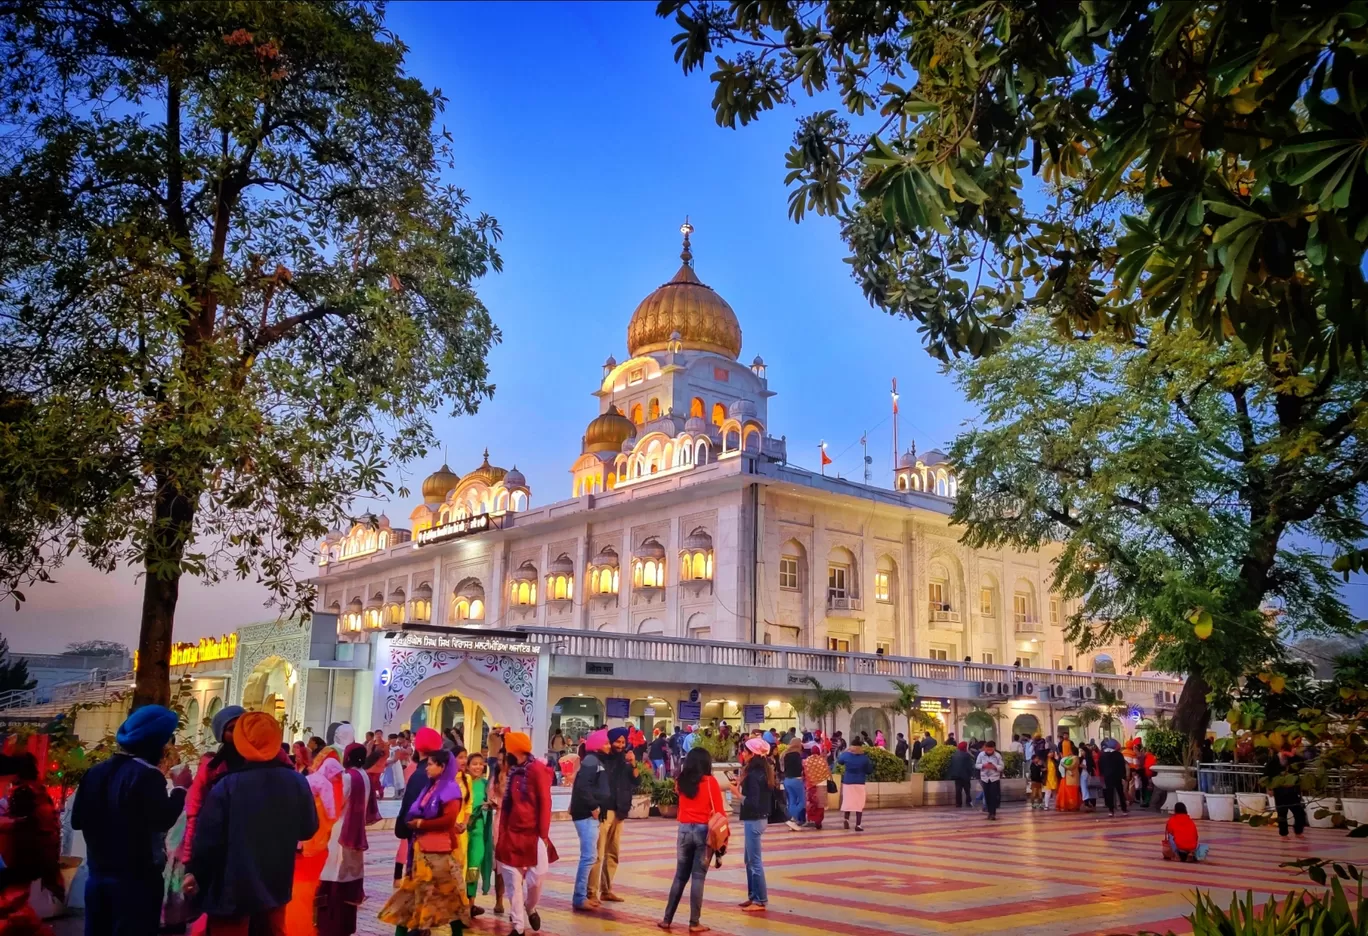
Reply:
x=703, y=319
x=489, y=474
x=607, y=432
x=439, y=484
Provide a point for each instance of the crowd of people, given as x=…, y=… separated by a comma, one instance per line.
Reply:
x=265, y=838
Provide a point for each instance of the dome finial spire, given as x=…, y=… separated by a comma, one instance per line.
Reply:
x=686, y=254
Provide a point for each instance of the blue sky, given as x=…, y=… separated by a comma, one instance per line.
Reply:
x=575, y=128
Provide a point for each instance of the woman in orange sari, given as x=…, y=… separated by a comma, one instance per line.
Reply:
x=1069, y=797
x=325, y=781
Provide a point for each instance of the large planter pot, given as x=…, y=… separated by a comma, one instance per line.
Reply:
x=889, y=795
x=1173, y=779
x=1252, y=804
x=669, y=812
x=939, y=793
x=641, y=806
x=1314, y=806
x=1193, y=800
x=1220, y=807
x=1355, y=810
x=1014, y=790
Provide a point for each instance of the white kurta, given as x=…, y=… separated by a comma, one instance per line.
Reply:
x=346, y=864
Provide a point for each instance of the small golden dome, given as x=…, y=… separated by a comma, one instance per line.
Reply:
x=703, y=319
x=607, y=432
x=489, y=474
x=439, y=484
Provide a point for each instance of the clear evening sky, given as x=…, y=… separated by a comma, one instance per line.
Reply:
x=576, y=129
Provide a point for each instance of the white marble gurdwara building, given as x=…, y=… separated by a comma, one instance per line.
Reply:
x=692, y=575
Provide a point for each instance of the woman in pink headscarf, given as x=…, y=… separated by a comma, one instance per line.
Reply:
x=341, y=888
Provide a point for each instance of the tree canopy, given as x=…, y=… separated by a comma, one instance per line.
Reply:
x=1199, y=163
x=234, y=286
x=14, y=674
x=1186, y=482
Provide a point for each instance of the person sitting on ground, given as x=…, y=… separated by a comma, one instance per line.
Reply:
x=1180, y=837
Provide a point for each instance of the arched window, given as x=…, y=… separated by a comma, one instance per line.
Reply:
x=719, y=414
x=654, y=408
x=696, y=408
x=648, y=573
x=942, y=485
x=460, y=608
x=519, y=500
x=636, y=414
x=902, y=482
x=476, y=610
x=953, y=487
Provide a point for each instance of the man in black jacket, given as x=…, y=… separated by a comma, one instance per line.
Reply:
x=124, y=811
x=620, y=765
x=1112, y=766
x=1287, y=796
x=961, y=770
x=588, y=796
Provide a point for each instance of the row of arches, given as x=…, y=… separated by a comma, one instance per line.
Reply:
x=478, y=501
x=940, y=482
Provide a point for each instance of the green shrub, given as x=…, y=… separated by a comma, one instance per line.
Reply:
x=663, y=793
x=888, y=767
x=1169, y=747
x=1012, y=762
x=935, y=764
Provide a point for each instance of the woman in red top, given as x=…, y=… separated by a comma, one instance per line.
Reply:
x=699, y=798
x=1180, y=836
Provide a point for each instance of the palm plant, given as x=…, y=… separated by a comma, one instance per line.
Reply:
x=1108, y=702
x=984, y=717
x=822, y=702
x=908, y=705
x=1087, y=715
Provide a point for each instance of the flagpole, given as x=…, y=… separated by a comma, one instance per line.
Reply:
x=821, y=456
x=896, y=453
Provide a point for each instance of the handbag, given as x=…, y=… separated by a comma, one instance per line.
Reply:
x=831, y=785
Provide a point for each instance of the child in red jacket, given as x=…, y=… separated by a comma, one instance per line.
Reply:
x=1180, y=837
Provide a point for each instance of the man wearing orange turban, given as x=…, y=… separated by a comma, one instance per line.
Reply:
x=524, y=832
x=252, y=821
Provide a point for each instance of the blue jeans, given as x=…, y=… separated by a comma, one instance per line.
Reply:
x=691, y=865
x=797, y=799
x=659, y=766
x=755, y=866
x=588, y=831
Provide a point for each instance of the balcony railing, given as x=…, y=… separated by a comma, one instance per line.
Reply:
x=1026, y=626
x=943, y=617
x=803, y=661
x=840, y=602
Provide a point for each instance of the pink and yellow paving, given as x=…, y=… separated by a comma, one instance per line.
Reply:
x=922, y=872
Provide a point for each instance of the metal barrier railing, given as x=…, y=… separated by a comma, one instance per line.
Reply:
x=1249, y=778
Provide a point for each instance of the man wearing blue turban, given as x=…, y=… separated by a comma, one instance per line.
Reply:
x=124, y=810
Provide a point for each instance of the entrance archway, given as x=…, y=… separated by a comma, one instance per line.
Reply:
x=660, y=715
x=869, y=719
x=270, y=688
x=1027, y=724
x=576, y=716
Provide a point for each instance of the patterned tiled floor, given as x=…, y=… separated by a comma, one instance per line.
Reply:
x=923, y=872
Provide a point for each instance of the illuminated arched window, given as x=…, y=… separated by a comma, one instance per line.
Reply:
x=636, y=414
x=695, y=559
x=719, y=414
x=942, y=485
x=696, y=408
x=460, y=608
x=476, y=610
x=654, y=408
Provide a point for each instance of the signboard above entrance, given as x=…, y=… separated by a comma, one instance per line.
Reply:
x=491, y=644
x=456, y=529
x=753, y=714
x=617, y=708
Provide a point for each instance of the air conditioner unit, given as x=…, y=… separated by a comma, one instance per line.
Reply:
x=1165, y=698
x=1057, y=691
x=1120, y=696
x=1076, y=694
x=990, y=688
x=1025, y=687
x=1090, y=693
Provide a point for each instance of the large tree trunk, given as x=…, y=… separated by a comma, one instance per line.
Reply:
x=1193, y=713
x=174, y=516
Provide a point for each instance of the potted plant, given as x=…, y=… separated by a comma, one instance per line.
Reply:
x=1172, y=770
x=888, y=786
x=641, y=799
x=937, y=789
x=665, y=798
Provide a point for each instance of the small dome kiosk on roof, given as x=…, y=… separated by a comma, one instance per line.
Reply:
x=439, y=484
x=608, y=431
